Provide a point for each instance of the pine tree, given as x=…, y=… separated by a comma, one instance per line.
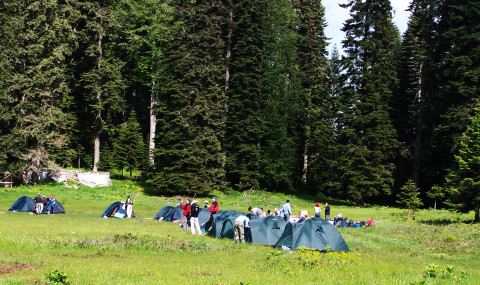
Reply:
x=464, y=180
x=129, y=147
x=459, y=83
x=246, y=94
x=316, y=120
x=35, y=93
x=146, y=33
x=98, y=74
x=408, y=197
x=367, y=137
x=190, y=111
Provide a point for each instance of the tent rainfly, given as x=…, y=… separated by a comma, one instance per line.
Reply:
x=23, y=204
x=116, y=207
x=313, y=233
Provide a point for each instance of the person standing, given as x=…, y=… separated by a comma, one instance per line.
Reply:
x=52, y=205
x=38, y=204
x=214, y=207
x=194, y=211
x=327, y=211
x=185, y=214
x=287, y=211
x=129, y=205
x=317, y=210
x=239, y=226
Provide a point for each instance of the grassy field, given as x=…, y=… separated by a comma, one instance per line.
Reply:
x=80, y=247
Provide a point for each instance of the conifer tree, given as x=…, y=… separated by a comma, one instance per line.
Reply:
x=36, y=43
x=459, y=85
x=246, y=94
x=367, y=137
x=316, y=121
x=129, y=146
x=190, y=111
x=408, y=197
x=98, y=74
x=463, y=181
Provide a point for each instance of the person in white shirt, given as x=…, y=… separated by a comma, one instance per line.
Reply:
x=317, y=210
x=287, y=211
x=240, y=224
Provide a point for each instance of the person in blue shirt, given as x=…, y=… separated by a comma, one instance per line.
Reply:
x=287, y=211
x=241, y=223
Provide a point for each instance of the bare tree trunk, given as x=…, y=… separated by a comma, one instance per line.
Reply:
x=227, y=80
x=419, y=128
x=153, y=123
x=98, y=121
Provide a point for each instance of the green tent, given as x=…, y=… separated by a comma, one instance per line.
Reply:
x=263, y=231
x=313, y=233
x=215, y=225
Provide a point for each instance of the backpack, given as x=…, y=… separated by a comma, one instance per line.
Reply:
x=194, y=210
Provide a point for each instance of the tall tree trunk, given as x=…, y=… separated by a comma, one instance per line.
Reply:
x=98, y=121
x=419, y=128
x=153, y=124
x=227, y=79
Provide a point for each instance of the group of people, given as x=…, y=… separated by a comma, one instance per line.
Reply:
x=190, y=211
x=285, y=211
x=318, y=211
x=41, y=202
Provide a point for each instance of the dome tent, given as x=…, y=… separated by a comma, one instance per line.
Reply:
x=59, y=209
x=262, y=231
x=313, y=233
x=165, y=214
x=116, y=207
x=23, y=204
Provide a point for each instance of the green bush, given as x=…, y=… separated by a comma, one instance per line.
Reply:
x=57, y=277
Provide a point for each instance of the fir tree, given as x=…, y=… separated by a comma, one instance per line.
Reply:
x=37, y=41
x=98, y=74
x=246, y=94
x=367, y=138
x=316, y=120
x=190, y=111
x=463, y=181
x=408, y=197
x=130, y=147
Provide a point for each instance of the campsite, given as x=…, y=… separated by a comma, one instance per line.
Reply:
x=438, y=247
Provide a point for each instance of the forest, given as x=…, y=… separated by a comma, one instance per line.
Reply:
x=243, y=94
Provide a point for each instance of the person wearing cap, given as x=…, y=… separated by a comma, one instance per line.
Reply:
x=185, y=214
x=317, y=210
x=206, y=204
x=214, y=207
x=38, y=204
x=52, y=205
x=239, y=226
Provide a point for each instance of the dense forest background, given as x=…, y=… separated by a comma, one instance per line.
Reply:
x=241, y=94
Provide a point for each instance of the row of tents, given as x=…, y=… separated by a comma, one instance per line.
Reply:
x=27, y=204
x=315, y=233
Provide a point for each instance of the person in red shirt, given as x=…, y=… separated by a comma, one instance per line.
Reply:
x=185, y=214
x=214, y=207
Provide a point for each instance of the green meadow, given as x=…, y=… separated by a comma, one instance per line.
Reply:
x=438, y=247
